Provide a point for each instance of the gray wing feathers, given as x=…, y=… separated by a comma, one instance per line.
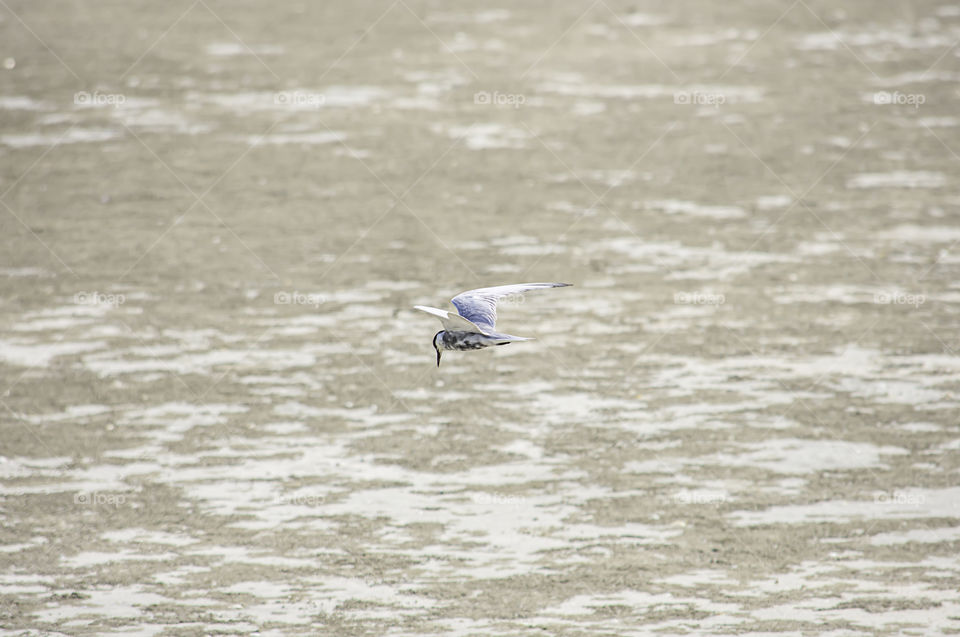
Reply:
x=480, y=306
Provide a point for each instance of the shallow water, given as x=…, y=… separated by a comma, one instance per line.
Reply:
x=220, y=414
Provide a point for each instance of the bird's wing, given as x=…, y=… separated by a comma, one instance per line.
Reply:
x=480, y=306
x=451, y=321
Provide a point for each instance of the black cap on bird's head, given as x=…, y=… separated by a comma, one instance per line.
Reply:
x=438, y=344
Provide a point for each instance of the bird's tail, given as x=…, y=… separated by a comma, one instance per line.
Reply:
x=509, y=338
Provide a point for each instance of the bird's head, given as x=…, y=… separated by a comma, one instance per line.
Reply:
x=438, y=344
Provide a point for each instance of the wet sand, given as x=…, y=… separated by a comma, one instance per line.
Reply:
x=219, y=413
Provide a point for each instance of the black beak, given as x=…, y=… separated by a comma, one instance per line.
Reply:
x=438, y=358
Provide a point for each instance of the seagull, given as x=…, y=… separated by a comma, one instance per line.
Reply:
x=473, y=327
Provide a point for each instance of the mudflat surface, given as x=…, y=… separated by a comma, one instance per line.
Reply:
x=220, y=415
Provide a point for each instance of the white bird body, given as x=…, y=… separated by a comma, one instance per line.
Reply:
x=474, y=327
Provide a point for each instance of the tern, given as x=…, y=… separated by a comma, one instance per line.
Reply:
x=474, y=326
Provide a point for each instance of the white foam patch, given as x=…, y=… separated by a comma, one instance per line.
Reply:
x=898, y=179
x=780, y=455
x=23, y=103
x=920, y=427
x=818, y=248
x=480, y=17
x=934, y=122
x=902, y=504
x=796, y=456
x=226, y=49
x=773, y=202
x=115, y=601
x=922, y=536
x=644, y=19
x=40, y=354
x=700, y=577
x=244, y=555
x=714, y=38
x=179, y=576
x=25, y=583
x=690, y=208
x=285, y=428
x=72, y=136
x=831, y=293
x=144, y=536
x=308, y=139
x=24, y=546
x=663, y=602
x=52, y=324
x=71, y=413
x=585, y=108
x=916, y=77
x=29, y=467
x=903, y=38
x=921, y=234
x=892, y=391
x=25, y=272
x=484, y=136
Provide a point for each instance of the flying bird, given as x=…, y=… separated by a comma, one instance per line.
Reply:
x=474, y=324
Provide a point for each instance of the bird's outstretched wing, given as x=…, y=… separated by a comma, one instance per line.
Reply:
x=480, y=306
x=452, y=322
